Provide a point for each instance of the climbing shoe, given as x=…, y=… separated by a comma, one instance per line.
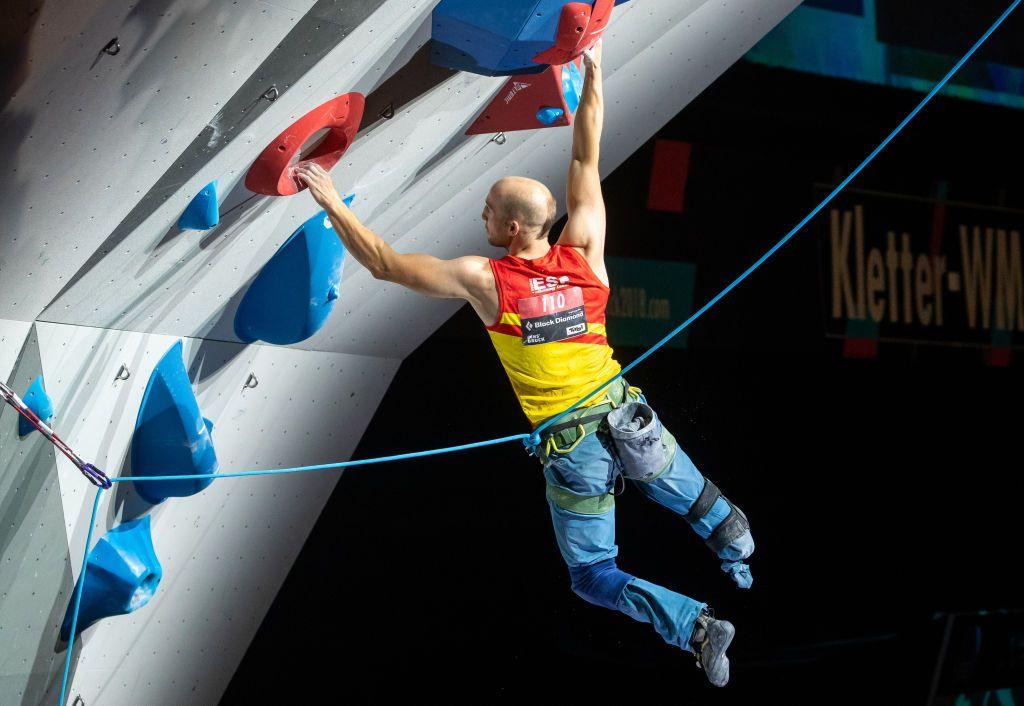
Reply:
x=710, y=640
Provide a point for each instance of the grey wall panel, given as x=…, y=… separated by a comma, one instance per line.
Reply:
x=12, y=337
x=131, y=287
x=226, y=550
x=35, y=565
x=87, y=133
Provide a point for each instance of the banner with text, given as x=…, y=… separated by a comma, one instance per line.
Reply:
x=919, y=270
x=648, y=298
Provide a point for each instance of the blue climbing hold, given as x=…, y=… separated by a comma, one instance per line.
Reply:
x=548, y=116
x=572, y=86
x=201, y=213
x=39, y=402
x=493, y=38
x=295, y=292
x=122, y=575
x=171, y=437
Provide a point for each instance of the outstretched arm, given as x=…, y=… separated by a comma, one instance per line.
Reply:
x=585, y=227
x=468, y=278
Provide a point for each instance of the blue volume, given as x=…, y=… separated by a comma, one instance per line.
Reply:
x=294, y=293
x=171, y=436
x=123, y=574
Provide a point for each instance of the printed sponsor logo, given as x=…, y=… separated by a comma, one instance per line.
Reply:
x=548, y=284
x=516, y=88
x=576, y=329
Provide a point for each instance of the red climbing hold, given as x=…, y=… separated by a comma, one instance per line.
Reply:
x=272, y=172
x=522, y=101
x=579, y=28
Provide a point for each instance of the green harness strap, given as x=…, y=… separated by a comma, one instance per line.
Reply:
x=581, y=504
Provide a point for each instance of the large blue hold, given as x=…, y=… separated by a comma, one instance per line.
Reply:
x=201, y=213
x=39, y=402
x=494, y=38
x=171, y=436
x=294, y=293
x=122, y=575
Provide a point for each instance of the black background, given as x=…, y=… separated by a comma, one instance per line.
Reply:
x=880, y=492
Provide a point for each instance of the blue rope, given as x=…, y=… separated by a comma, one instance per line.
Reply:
x=325, y=466
x=78, y=597
x=534, y=438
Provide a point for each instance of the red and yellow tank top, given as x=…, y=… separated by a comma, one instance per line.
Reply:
x=550, y=332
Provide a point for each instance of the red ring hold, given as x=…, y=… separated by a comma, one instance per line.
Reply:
x=272, y=172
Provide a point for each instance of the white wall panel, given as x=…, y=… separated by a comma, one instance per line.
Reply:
x=226, y=550
x=12, y=337
x=35, y=566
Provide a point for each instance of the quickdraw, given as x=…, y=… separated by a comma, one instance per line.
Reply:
x=92, y=474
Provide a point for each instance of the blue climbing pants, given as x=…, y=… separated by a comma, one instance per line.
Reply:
x=580, y=485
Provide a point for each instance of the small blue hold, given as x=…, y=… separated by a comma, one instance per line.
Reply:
x=349, y=199
x=122, y=575
x=572, y=86
x=294, y=293
x=548, y=116
x=171, y=437
x=39, y=402
x=201, y=213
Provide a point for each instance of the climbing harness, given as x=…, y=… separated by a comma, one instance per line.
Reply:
x=92, y=474
x=565, y=436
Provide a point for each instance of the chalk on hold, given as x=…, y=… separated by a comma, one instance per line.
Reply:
x=201, y=213
x=534, y=101
x=171, y=436
x=122, y=575
x=294, y=293
x=273, y=171
x=39, y=402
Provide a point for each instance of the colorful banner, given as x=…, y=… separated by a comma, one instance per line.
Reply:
x=855, y=39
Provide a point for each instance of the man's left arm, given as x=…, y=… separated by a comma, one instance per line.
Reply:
x=585, y=226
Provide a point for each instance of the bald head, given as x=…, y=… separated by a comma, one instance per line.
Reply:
x=526, y=201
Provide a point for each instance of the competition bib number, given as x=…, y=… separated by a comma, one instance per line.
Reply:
x=554, y=316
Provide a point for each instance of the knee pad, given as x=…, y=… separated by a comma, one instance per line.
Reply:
x=600, y=583
x=730, y=538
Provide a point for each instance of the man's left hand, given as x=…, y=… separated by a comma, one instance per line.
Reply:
x=321, y=188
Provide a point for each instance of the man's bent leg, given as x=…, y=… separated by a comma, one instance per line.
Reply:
x=587, y=543
x=682, y=489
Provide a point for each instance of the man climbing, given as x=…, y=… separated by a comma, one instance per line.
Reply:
x=544, y=308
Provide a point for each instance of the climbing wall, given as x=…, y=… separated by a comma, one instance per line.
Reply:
x=106, y=150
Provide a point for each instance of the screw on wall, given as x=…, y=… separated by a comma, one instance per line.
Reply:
x=270, y=95
x=499, y=138
x=251, y=381
x=388, y=112
x=123, y=373
x=112, y=48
